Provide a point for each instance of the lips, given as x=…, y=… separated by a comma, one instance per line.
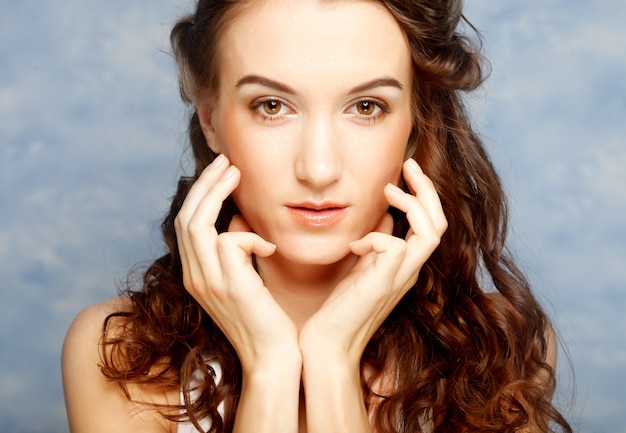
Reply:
x=317, y=215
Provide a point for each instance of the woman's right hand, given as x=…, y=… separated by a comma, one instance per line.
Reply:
x=218, y=272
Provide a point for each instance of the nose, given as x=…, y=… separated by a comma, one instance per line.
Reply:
x=318, y=161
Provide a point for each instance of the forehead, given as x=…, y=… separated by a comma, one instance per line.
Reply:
x=309, y=42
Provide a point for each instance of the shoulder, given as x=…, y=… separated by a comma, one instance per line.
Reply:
x=91, y=319
x=93, y=403
x=82, y=341
x=83, y=336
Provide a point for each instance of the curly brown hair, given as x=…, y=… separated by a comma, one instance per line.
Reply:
x=466, y=360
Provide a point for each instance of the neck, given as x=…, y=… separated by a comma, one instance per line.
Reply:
x=301, y=289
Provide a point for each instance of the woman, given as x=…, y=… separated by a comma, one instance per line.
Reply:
x=323, y=262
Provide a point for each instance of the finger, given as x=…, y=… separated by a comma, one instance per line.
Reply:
x=204, y=182
x=236, y=249
x=195, y=227
x=242, y=235
x=424, y=189
x=191, y=268
x=423, y=210
x=185, y=259
x=209, y=206
x=381, y=256
x=425, y=216
x=362, y=248
x=238, y=245
x=420, y=220
x=424, y=235
x=386, y=247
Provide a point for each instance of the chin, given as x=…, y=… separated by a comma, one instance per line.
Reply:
x=316, y=255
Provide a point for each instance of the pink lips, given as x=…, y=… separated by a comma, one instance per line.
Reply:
x=317, y=216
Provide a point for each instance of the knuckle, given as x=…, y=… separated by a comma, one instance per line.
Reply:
x=429, y=182
x=428, y=241
x=434, y=240
x=397, y=247
x=178, y=222
x=200, y=288
x=443, y=226
x=400, y=246
x=189, y=283
x=224, y=241
x=195, y=228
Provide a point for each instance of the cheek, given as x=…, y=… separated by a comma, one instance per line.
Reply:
x=227, y=133
x=398, y=140
x=250, y=199
x=385, y=153
x=247, y=144
x=249, y=152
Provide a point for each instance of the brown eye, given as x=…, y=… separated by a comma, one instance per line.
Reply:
x=272, y=107
x=365, y=108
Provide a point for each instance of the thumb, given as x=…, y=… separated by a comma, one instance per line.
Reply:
x=248, y=241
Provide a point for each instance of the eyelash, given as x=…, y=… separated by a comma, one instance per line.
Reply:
x=371, y=118
x=257, y=107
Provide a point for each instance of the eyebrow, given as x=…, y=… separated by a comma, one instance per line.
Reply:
x=267, y=82
x=272, y=84
x=377, y=82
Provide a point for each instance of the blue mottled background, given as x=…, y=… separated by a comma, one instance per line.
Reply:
x=91, y=144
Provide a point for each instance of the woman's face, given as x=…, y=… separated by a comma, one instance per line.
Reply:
x=314, y=108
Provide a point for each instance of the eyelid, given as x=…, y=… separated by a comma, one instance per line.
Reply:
x=380, y=105
x=256, y=104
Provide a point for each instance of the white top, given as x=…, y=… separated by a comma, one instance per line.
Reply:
x=187, y=427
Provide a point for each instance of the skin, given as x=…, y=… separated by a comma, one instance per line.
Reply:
x=298, y=110
x=320, y=293
x=323, y=147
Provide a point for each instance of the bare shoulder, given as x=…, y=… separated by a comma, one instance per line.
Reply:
x=93, y=403
x=92, y=317
x=82, y=341
x=83, y=336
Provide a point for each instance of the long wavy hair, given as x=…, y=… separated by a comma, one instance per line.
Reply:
x=464, y=358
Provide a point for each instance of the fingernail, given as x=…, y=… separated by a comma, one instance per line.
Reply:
x=394, y=189
x=413, y=165
x=218, y=162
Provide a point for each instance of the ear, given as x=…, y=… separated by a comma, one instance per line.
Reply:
x=205, y=115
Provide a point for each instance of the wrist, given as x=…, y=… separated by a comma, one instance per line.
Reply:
x=334, y=394
x=334, y=366
x=270, y=395
x=317, y=349
x=273, y=363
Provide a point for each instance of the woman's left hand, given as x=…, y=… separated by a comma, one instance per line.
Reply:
x=386, y=269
